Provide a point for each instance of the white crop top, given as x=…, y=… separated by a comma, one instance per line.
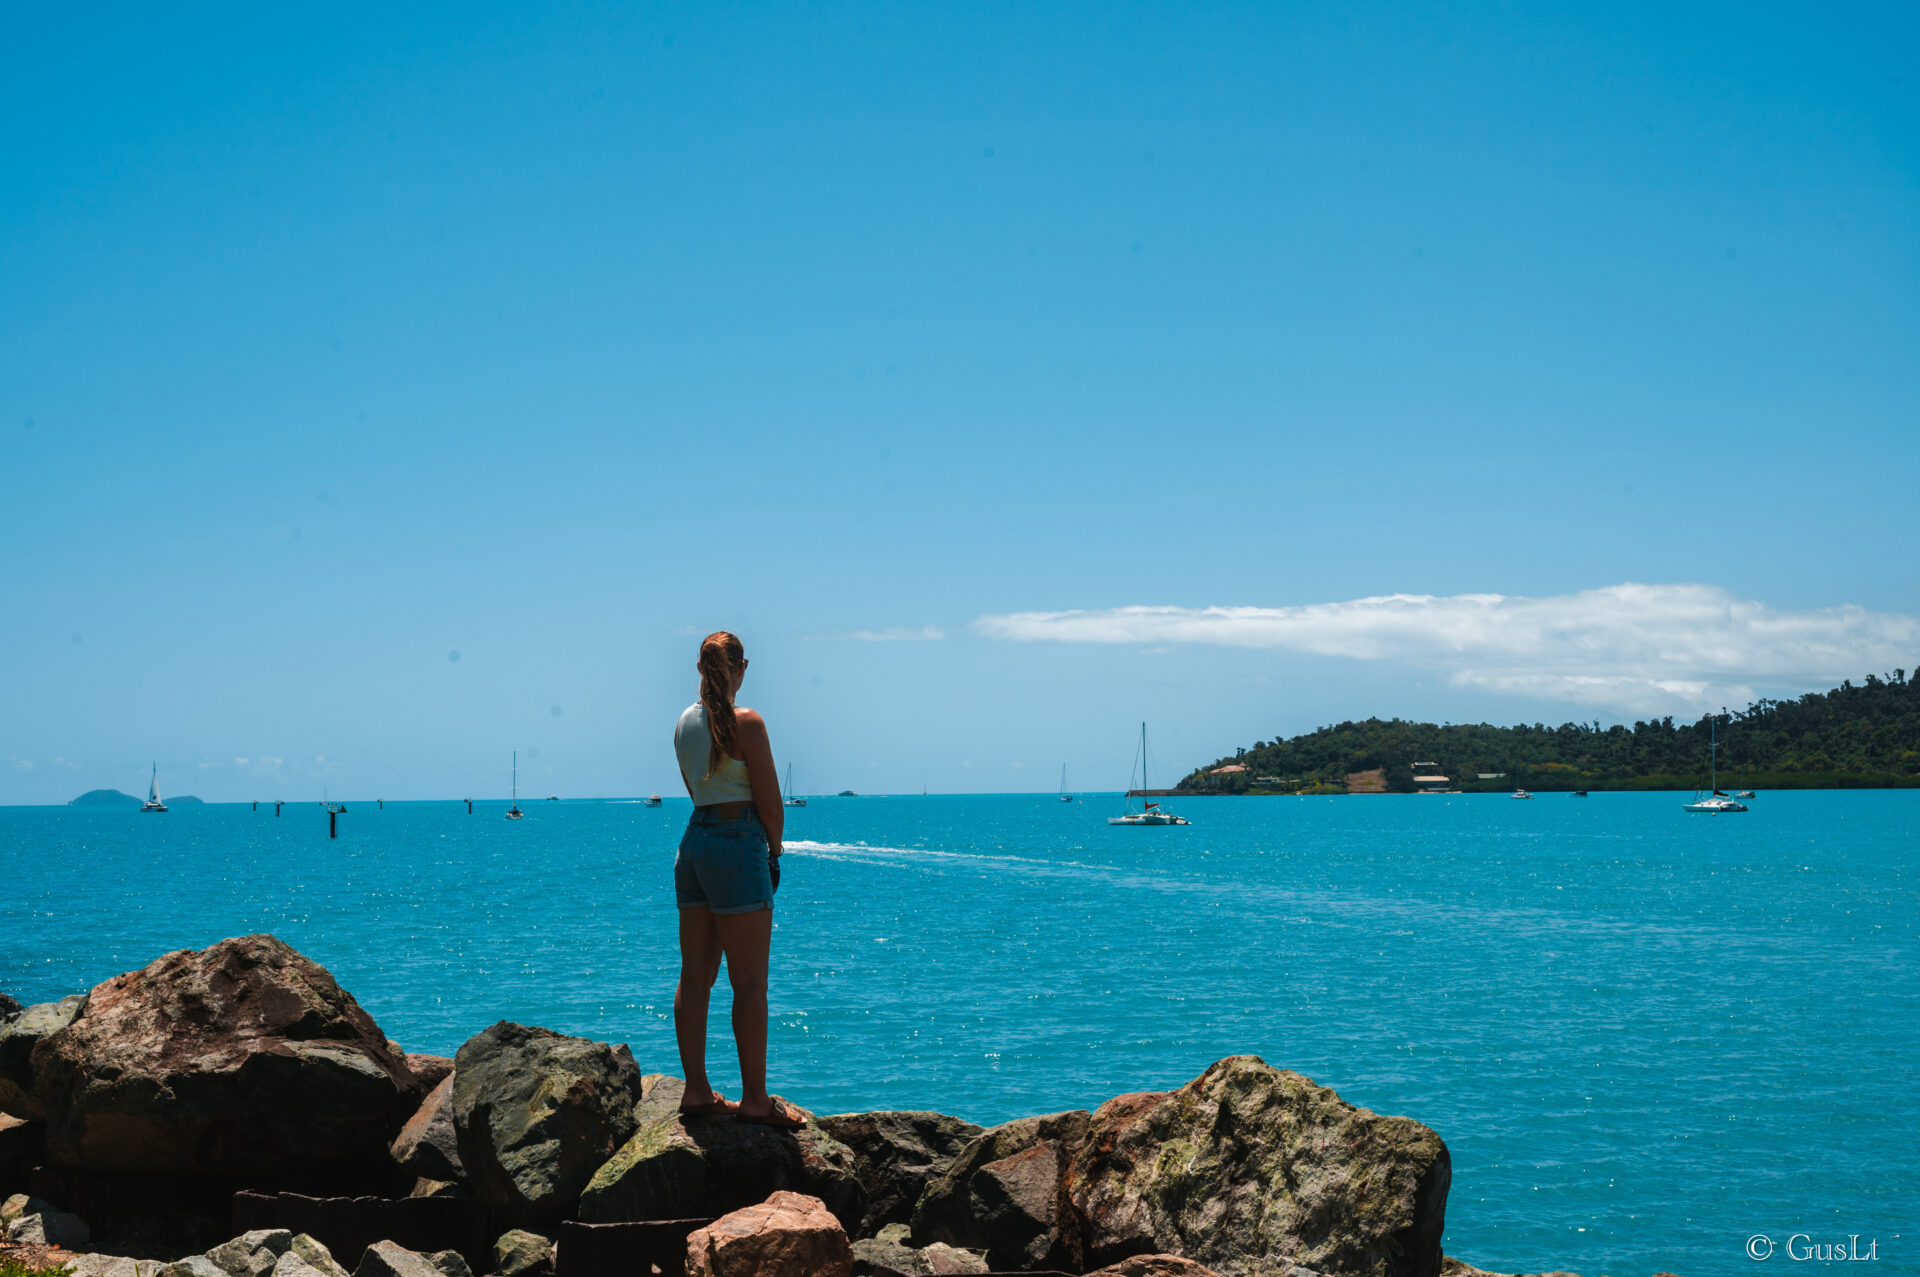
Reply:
x=728, y=784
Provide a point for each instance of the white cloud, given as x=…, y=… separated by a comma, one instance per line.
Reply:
x=20, y=764
x=1632, y=648
x=239, y=762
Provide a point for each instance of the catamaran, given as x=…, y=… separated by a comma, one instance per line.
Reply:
x=153, y=802
x=1150, y=813
x=791, y=800
x=1065, y=797
x=1716, y=802
x=514, y=812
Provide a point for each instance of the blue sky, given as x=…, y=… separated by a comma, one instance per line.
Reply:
x=334, y=342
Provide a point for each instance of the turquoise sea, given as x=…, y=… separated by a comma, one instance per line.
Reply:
x=1645, y=1036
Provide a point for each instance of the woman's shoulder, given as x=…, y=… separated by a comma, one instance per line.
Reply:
x=745, y=717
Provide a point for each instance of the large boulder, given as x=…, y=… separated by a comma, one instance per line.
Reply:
x=389, y=1259
x=1255, y=1171
x=20, y=1032
x=243, y=1059
x=788, y=1235
x=896, y=1154
x=97, y=1265
x=9, y=1007
x=535, y=1113
x=253, y=1254
x=428, y=1147
x=681, y=1167
x=1005, y=1193
x=20, y=1204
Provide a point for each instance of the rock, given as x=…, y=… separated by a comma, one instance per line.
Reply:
x=788, y=1235
x=1252, y=1170
x=536, y=1113
x=19, y=1034
x=21, y=1204
x=1004, y=1194
x=253, y=1254
x=49, y=1228
x=943, y=1260
x=23, y=1145
x=896, y=1154
x=193, y=1266
x=386, y=1259
x=428, y=1146
x=244, y=1058
x=1158, y=1266
x=314, y=1253
x=681, y=1168
x=870, y=1253
x=437, y=1188
x=9, y=1007
x=519, y=1253
x=430, y=1070
x=106, y=1266
x=292, y=1265
x=451, y=1263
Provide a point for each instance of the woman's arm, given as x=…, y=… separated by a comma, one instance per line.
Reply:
x=756, y=751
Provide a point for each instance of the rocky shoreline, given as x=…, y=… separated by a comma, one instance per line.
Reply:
x=233, y=1112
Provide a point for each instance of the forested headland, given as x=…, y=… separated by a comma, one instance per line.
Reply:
x=1857, y=736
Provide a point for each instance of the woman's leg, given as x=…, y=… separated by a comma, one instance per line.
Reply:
x=746, y=937
x=699, y=967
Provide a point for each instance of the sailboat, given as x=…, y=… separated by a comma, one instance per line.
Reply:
x=514, y=812
x=1065, y=797
x=153, y=802
x=791, y=800
x=1150, y=813
x=1716, y=802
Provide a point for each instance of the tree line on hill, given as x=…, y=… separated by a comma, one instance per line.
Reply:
x=1864, y=736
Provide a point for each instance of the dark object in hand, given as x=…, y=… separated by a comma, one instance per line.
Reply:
x=773, y=867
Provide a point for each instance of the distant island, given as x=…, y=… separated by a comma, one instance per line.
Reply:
x=1864, y=736
x=114, y=798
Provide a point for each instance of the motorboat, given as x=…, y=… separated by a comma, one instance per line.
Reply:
x=1579, y=793
x=651, y=800
x=1743, y=793
x=1716, y=802
x=153, y=802
x=513, y=811
x=1150, y=813
x=1519, y=793
x=791, y=800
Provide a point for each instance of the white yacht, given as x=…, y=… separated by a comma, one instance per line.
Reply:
x=651, y=800
x=1519, y=793
x=1715, y=802
x=1065, y=797
x=1150, y=813
x=513, y=811
x=791, y=800
x=153, y=802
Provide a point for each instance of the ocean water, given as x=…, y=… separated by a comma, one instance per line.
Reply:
x=1645, y=1036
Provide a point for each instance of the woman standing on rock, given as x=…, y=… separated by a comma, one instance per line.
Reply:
x=724, y=877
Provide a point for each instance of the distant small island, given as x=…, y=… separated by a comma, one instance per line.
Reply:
x=114, y=798
x=1864, y=736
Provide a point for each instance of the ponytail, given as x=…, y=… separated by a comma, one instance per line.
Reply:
x=720, y=655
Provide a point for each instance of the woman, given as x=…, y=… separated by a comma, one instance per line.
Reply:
x=724, y=876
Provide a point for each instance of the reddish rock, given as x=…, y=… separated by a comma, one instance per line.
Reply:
x=430, y=1070
x=788, y=1235
x=428, y=1146
x=243, y=1058
x=1154, y=1266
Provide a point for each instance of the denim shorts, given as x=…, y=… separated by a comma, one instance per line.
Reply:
x=723, y=864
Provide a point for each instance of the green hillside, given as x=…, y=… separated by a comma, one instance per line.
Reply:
x=1863, y=735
